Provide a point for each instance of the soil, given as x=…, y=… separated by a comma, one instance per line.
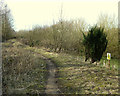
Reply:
x=51, y=87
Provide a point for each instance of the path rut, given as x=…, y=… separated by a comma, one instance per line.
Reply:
x=51, y=87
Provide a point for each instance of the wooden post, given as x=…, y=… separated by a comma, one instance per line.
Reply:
x=109, y=63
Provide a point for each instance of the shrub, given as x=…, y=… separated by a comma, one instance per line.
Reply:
x=95, y=43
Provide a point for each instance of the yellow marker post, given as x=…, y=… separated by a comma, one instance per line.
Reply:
x=109, y=57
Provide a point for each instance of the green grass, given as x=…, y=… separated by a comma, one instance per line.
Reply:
x=24, y=71
x=113, y=63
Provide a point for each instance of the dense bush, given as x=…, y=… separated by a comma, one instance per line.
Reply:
x=95, y=43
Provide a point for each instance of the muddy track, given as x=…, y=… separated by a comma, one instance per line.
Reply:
x=51, y=87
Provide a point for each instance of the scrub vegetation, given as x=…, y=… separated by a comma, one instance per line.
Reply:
x=24, y=68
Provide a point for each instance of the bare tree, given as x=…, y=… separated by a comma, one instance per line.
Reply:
x=7, y=27
x=110, y=25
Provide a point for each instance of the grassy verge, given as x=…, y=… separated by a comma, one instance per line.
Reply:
x=113, y=63
x=24, y=71
x=74, y=75
x=77, y=77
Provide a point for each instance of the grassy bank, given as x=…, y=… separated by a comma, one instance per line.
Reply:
x=74, y=75
x=77, y=77
x=23, y=70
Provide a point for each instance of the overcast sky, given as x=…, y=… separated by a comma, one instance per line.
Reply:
x=27, y=13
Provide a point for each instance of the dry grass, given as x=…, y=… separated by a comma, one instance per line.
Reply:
x=77, y=77
x=23, y=70
x=74, y=75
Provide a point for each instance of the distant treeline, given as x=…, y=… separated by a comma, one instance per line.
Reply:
x=66, y=36
x=63, y=36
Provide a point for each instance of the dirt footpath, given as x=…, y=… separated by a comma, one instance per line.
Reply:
x=51, y=87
